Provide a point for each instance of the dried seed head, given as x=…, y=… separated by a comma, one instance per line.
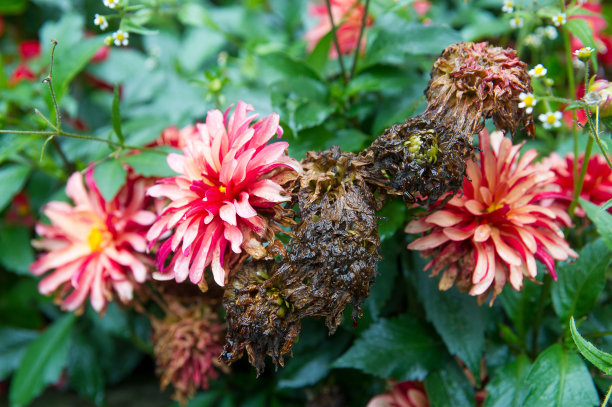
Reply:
x=471, y=82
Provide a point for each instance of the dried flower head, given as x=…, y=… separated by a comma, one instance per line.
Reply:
x=471, y=82
x=187, y=344
x=95, y=247
x=224, y=198
x=495, y=230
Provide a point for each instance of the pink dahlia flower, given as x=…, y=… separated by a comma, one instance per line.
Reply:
x=95, y=247
x=597, y=186
x=405, y=394
x=348, y=16
x=496, y=229
x=226, y=178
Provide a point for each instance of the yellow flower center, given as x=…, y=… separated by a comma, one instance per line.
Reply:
x=120, y=36
x=95, y=239
x=551, y=119
x=539, y=70
x=560, y=19
x=528, y=100
x=222, y=189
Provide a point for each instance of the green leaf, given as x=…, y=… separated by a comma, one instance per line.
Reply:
x=320, y=54
x=402, y=348
x=580, y=283
x=13, y=344
x=149, y=164
x=312, y=363
x=16, y=252
x=559, y=378
x=110, y=177
x=391, y=218
x=457, y=318
x=602, y=360
x=581, y=29
x=289, y=67
x=386, y=276
x=42, y=363
x=519, y=305
x=8, y=7
x=84, y=372
x=507, y=383
x=449, y=387
x=116, y=116
x=601, y=219
x=133, y=27
x=12, y=179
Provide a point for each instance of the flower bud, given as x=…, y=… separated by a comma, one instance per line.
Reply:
x=604, y=89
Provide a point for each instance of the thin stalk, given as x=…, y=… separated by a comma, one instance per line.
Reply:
x=605, y=401
x=46, y=133
x=583, y=170
x=537, y=321
x=597, y=334
x=361, y=31
x=336, y=43
x=572, y=88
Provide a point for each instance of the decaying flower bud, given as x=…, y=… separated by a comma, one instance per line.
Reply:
x=330, y=264
x=471, y=82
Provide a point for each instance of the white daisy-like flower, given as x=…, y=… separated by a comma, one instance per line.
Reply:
x=551, y=119
x=551, y=32
x=538, y=71
x=527, y=102
x=533, y=40
x=101, y=22
x=120, y=38
x=559, y=19
x=516, y=22
x=508, y=7
x=584, y=53
x=111, y=3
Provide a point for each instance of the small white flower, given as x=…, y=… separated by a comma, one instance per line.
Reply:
x=551, y=119
x=533, y=40
x=120, y=38
x=584, y=53
x=101, y=22
x=559, y=19
x=508, y=7
x=538, y=71
x=551, y=32
x=111, y=3
x=527, y=102
x=516, y=22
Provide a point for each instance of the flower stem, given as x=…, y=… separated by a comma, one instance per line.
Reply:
x=537, y=321
x=571, y=88
x=361, y=31
x=605, y=400
x=336, y=43
x=583, y=170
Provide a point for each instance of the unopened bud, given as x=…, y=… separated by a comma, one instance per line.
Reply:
x=604, y=89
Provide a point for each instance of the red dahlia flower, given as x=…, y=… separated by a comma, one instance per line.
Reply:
x=95, y=247
x=496, y=229
x=225, y=180
x=597, y=186
x=348, y=16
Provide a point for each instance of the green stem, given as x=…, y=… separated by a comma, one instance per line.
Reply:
x=597, y=334
x=361, y=31
x=559, y=100
x=82, y=137
x=605, y=401
x=537, y=321
x=571, y=88
x=336, y=43
x=580, y=181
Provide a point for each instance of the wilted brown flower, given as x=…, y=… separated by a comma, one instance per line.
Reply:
x=187, y=343
x=471, y=82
